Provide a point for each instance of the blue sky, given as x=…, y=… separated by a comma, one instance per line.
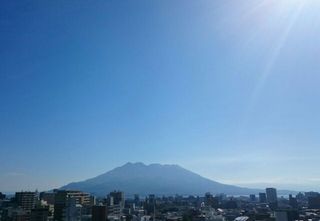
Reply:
x=227, y=89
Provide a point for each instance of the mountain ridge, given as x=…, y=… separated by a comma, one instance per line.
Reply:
x=159, y=179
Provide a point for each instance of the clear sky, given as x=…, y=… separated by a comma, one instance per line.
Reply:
x=227, y=89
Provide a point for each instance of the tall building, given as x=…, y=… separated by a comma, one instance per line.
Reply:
x=293, y=202
x=252, y=197
x=272, y=197
x=68, y=204
x=73, y=210
x=26, y=200
x=2, y=196
x=136, y=199
x=115, y=202
x=118, y=198
x=99, y=213
x=262, y=198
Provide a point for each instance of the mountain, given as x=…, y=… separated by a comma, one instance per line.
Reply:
x=138, y=178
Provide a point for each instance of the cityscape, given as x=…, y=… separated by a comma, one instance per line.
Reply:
x=159, y=110
x=73, y=205
x=158, y=192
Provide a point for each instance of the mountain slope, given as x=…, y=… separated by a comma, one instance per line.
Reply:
x=157, y=179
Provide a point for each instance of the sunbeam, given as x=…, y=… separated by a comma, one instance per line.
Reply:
x=276, y=50
x=291, y=12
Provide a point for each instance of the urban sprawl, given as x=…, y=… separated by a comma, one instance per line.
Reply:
x=67, y=205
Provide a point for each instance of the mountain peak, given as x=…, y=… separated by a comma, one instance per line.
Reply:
x=128, y=164
x=143, y=164
x=154, y=165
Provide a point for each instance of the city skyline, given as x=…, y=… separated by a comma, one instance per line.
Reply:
x=74, y=205
x=227, y=89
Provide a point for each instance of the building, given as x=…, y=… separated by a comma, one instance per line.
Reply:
x=2, y=196
x=314, y=202
x=117, y=198
x=99, y=213
x=68, y=204
x=230, y=204
x=152, y=199
x=26, y=200
x=272, y=197
x=136, y=200
x=293, y=202
x=281, y=216
x=116, y=203
x=48, y=197
x=311, y=194
x=115, y=210
x=242, y=218
x=39, y=214
x=73, y=211
x=252, y=197
x=15, y=214
x=211, y=201
x=286, y=215
x=262, y=198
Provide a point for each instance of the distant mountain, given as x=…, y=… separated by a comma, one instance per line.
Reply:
x=138, y=178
